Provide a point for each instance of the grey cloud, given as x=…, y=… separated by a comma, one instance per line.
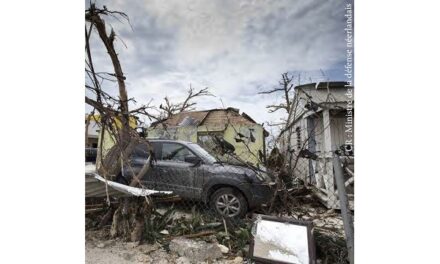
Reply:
x=236, y=48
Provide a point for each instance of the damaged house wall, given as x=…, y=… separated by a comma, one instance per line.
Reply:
x=106, y=139
x=240, y=130
x=318, y=128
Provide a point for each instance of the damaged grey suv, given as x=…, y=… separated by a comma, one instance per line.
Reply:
x=191, y=172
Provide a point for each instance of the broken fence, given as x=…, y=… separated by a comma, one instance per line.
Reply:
x=174, y=215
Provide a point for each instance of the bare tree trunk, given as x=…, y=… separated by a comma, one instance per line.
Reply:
x=116, y=122
x=123, y=134
x=115, y=229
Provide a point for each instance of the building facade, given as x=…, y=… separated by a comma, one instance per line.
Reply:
x=245, y=135
x=321, y=122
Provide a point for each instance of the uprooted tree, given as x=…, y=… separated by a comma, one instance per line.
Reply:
x=116, y=119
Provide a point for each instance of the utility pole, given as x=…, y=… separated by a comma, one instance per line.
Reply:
x=347, y=217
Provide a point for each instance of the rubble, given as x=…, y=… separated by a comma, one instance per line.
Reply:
x=182, y=260
x=162, y=257
x=164, y=232
x=148, y=248
x=100, y=245
x=330, y=246
x=206, y=240
x=238, y=260
x=224, y=249
x=197, y=251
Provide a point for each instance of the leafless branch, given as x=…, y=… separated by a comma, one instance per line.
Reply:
x=169, y=108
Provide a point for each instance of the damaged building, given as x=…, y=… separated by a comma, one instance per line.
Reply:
x=242, y=135
x=321, y=123
x=93, y=130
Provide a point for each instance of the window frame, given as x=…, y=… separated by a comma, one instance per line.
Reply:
x=173, y=160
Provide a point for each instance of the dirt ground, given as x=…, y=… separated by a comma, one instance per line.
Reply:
x=328, y=235
x=107, y=251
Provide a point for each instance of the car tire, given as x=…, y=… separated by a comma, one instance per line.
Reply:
x=229, y=202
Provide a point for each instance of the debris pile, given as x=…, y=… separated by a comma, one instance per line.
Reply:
x=195, y=250
x=175, y=234
x=299, y=203
x=100, y=250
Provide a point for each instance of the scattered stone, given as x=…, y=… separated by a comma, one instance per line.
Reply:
x=334, y=221
x=238, y=260
x=183, y=260
x=161, y=256
x=320, y=210
x=318, y=223
x=161, y=261
x=100, y=245
x=212, y=239
x=164, y=232
x=127, y=256
x=109, y=243
x=196, y=251
x=224, y=249
x=131, y=245
x=147, y=248
x=143, y=258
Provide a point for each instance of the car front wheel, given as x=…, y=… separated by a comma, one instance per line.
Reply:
x=229, y=203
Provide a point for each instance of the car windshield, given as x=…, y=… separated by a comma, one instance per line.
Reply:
x=202, y=152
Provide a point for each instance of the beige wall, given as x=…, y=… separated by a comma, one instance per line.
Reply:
x=190, y=133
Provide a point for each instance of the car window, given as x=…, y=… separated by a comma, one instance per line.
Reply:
x=175, y=152
x=141, y=151
x=202, y=152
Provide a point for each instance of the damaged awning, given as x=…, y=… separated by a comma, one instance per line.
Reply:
x=124, y=188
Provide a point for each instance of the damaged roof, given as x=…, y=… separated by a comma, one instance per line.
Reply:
x=188, y=118
x=326, y=92
x=208, y=117
x=325, y=85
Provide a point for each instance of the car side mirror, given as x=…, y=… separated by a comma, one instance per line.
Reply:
x=193, y=159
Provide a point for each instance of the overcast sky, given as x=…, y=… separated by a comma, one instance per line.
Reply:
x=236, y=48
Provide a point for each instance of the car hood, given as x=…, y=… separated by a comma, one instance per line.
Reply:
x=260, y=173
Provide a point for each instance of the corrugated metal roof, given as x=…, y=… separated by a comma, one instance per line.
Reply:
x=189, y=121
x=95, y=188
x=195, y=116
x=325, y=92
x=206, y=117
x=325, y=85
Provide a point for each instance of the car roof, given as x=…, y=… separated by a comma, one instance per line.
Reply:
x=170, y=140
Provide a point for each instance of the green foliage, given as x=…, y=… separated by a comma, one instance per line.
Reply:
x=155, y=223
x=236, y=238
x=331, y=248
x=197, y=222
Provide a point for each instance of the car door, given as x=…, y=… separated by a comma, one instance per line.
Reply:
x=137, y=160
x=176, y=173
